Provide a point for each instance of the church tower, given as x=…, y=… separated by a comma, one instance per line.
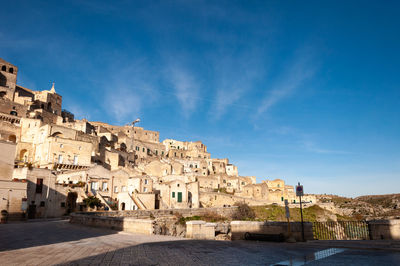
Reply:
x=8, y=79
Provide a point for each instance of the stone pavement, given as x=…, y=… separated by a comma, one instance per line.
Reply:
x=58, y=242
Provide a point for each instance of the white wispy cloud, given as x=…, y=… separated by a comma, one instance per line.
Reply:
x=313, y=147
x=128, y=86
x=301, y=70
x=185, y=87
x=79, y=111
x=234, y=78
x=124, y=104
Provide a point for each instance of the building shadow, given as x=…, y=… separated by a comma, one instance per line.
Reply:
x=39, y=233
x=45, y=200
x=193, y=252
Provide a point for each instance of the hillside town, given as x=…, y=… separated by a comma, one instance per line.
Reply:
x=51, y=162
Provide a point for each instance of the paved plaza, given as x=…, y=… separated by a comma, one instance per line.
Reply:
x=58, y=242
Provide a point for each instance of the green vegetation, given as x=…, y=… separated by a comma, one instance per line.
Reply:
x=208, y=217
x=278, y=213
x=244, y=212
x=92, y=202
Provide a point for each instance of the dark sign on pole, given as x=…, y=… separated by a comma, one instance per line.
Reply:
x=299, y=190
x=299, y=193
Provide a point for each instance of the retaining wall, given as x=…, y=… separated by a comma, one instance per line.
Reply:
x=240, y=228
x=200, y=230
x=128, y=224
x=224, y=211
x=384, y=229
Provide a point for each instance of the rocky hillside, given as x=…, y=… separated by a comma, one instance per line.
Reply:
x=364, y=207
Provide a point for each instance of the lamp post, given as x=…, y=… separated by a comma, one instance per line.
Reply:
x=133, y=129
x=300, y=193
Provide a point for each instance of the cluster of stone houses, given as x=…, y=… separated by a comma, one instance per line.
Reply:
x=50, y=162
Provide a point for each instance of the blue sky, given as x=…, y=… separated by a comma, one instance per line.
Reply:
x=300, y=90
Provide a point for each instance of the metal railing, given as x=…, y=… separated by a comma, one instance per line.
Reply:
x=341, y=230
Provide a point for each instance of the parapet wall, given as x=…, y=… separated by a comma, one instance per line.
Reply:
x=223, y=211
x=127, y=224
x=384, y=229
x=240, y=228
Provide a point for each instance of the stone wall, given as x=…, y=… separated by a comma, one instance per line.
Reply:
x=227, y=212
x=11, y=197
x=240, y=228
x=200, y=230
x=7, y=156
x=128, y=224
x=215, y=199
x=384, y=229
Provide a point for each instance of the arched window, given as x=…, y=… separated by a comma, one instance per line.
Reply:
x=3, y=68
x=11, y=70
x=23, y=155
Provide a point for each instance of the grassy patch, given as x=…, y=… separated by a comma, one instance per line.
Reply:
x=278, y=213
x=211, y=217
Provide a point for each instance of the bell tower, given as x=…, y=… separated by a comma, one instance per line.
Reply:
x=8, y=79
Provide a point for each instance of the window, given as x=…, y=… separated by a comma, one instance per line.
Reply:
x=60, y=158
x=156, y=152
x=175, y=154
x=145, y=189
x=75, y=159
x=146, y=181
x=105, y=186
x=224, y=181
x=179, y=196
x=229, y=184
x=62, y=204
x=123, y=189
x=39, y=185
x=173, y=194
x=115, y=189
x=282, y=199
x=3, y=68
x=243, y=183
x=42, y=204
x=162, y=153
x=94, y=186
x=11, y=70
x=143, y=150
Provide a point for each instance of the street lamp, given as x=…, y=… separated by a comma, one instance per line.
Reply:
x=133, y=129
x=136, y=121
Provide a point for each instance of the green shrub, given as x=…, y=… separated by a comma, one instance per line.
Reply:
x=243, y=212
x=92, y=202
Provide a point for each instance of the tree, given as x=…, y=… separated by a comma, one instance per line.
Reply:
x=92, y=202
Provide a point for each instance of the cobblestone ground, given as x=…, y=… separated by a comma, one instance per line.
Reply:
x=58, y=242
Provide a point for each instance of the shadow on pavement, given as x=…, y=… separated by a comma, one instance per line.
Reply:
x=32, y=234
x=195, y=252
